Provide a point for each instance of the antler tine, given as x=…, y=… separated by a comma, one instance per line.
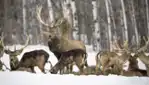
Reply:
x=126, y=46
x=2, y=40
x=27, y=41
x=38, y=12
x=145, y=46
x=118, y=44
x=58, y=22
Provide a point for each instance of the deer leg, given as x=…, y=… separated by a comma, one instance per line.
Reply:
x=41, y=67
x=79, y=62
x=97, y=66
x=1, y=65
x=59, y=65
x=32, y=69
x=70, y=68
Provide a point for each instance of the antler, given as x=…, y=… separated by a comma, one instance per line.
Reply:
x=53, y=25
x=120, y=47
x=144, y=47
x=38, y=12
x=17, y=52
x=2, y=40
x=117, y=45
x=125, y=46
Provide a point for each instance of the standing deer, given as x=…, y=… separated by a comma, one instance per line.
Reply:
x=33, y=58
x=103, y=59
x=64, y=49
x=114, y=59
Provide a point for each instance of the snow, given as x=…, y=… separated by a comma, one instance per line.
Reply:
x=26, y=78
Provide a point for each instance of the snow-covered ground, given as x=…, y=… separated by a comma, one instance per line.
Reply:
x=25, y=78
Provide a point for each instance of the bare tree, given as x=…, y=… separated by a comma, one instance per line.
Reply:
x=124, y=20
x=109, y=24
x=133, y=18
x=96, y=34
x=24, y=16
x=147, y=14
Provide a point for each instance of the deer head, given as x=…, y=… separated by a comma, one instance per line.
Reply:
x=141, y=51
x=122, y=49
x=52, y=27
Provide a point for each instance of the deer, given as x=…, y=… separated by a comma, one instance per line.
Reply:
x=112, y=60
x=34, y=58
x=102, y=59
x=116, y=64
x=62, y=47
x=140, y=53
x=13, y=55
x=28, y=60
x=133, y=69
x=144, y=59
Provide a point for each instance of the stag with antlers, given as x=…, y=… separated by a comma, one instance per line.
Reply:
x=133, y=69
x=62, y=47
x=140, y=53
x=13, y=55
x=113, y=60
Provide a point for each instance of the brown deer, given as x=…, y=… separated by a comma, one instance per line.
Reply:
x=72, y=56
x=33, y=58
x=13, y=55
x=133, y=69
x=62, y=47
x=140, y=53
x=114, y=59
x=103, y=58
x=144, y=59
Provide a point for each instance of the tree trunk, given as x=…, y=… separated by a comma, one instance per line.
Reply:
x=133, y=18
x=112, y=16
x=96, y=35
x=109, y=25
x=124, y=21
x=51, y=13
x=67, y=12
x=75, y=21
x=24, y=16
x=147, y=14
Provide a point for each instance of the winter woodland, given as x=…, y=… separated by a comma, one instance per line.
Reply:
x=95, y=22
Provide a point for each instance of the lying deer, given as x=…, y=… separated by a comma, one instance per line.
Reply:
x=133, y=69
x=140, y=53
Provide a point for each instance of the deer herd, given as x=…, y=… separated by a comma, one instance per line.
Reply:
x=69, y=52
